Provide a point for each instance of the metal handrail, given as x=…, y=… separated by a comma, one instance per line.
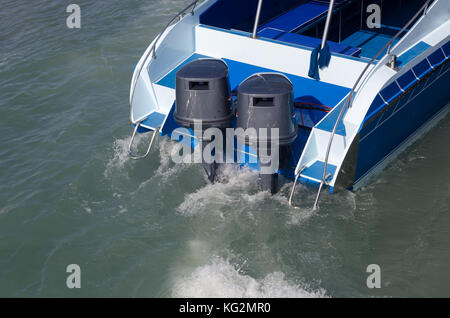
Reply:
x=349, y=100
x=424, y=8
x=153, y=48
x=258, y=14
x=130, y=151
x=327, y=25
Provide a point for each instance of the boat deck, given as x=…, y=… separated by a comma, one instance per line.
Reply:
x=305, y=89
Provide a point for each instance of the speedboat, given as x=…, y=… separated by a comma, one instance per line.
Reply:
x=344, y=86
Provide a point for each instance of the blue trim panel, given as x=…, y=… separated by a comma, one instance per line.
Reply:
x=298, y=17
x=412, y=53
x=240, y=14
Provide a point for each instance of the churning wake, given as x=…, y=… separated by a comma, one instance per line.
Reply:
x=221, y=279
x=233, y=188
x=120, y=156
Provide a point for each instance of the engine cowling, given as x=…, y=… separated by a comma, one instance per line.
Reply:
x=203, y=96
x=265, y=102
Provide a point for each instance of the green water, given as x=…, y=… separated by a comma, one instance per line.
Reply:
x=70, y=195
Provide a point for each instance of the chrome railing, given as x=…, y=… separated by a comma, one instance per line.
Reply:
x=258, y=14
x=151, y=52
x=153, y=48
x=327, y=25
x=349, y=101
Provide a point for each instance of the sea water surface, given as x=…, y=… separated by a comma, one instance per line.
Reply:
x=70, y=195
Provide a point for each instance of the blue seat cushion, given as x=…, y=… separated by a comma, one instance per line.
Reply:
x=297, y=17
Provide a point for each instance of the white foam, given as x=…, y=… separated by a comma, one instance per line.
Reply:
x=221, y=279
x=86, y=207
x=233, y=186
x=120, y=157
x=167, y=168
x=301, y=210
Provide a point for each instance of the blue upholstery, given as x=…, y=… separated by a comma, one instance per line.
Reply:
x=240, y=14
x=298, y=17
x=282, y=27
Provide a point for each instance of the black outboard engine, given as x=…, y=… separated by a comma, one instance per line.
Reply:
x=266, y=101
x=203, y=95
